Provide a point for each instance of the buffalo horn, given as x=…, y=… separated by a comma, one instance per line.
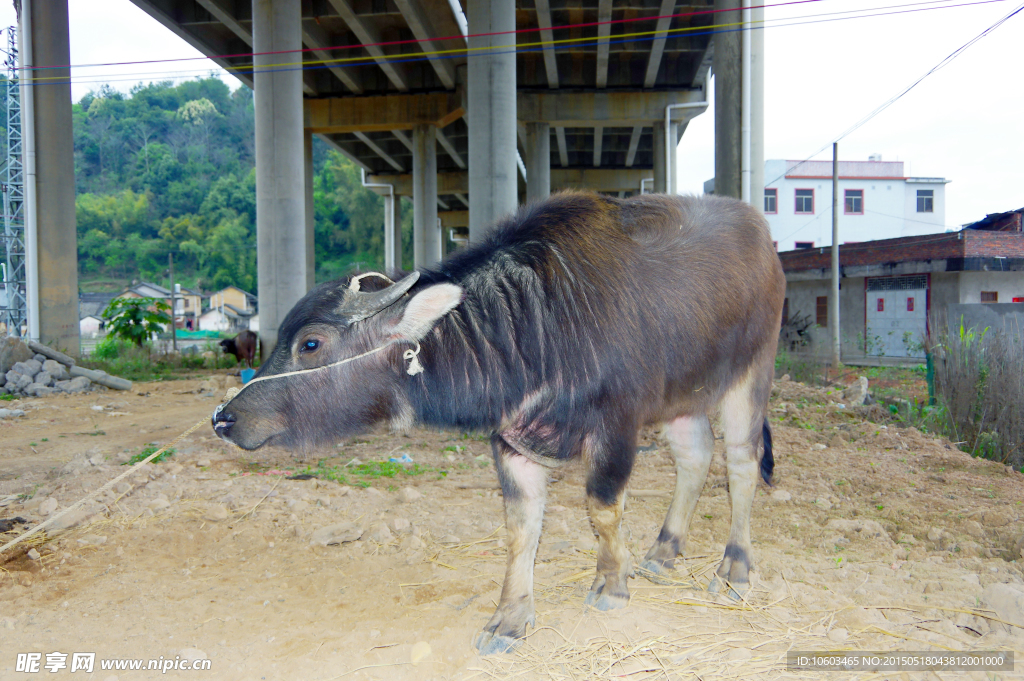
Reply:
x=357, y=305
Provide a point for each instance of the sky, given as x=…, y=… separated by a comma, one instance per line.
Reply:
x=963, y=122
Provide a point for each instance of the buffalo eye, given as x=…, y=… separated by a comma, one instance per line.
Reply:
x=311, y=345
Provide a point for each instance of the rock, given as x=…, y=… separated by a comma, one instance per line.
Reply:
x=996, y=518
x=192, y=654
x=818, y=446
x=39, y=390
x=380, y=533
x=12, y=351
x=861, y=528
x=39, y=358
x=932, y=587
x=33, y=554
x=76, y=385
x=409, y=495
x=785, y=378
x=202, y=463
x=47, y=506
x=217, y=513
x=158, y=504
x=70, y=520
x=411, y=542
x=400, y=524
x=971, y=579
x=339, y=533
x=781, y=495
x=974, y=528
x=942, y=539
x=44, y=378
x=56, y=369
x=92, y=540
x=21, y=382
x=838, y=635
x=29, y=367
x=11, y=413
x=419, y=651
x=1008, y=602
x=298, y=506
x=823, y=503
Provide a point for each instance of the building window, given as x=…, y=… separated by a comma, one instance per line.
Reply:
x=805, y=201
x=188, y=303
x=771, y=199
x=910, y=304
x=785, y=311
x=804, y=244
x=990, y=296
x=925, y=200
x=853, y=202
x=880, y=305
x=821, y=311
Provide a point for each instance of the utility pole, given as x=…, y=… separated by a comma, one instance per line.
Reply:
x=833, y=303
x=174, y=305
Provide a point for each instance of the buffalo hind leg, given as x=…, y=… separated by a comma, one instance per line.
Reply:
x=742, y=417
x=606, y=495
x=692, y=442
x=524, y=486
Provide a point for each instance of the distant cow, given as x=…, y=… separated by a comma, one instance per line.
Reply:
x=575, y=323
x=243, y=346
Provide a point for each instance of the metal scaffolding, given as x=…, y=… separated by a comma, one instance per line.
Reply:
x=13, y=302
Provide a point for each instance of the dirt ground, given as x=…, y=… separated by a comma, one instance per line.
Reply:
x=874, y=537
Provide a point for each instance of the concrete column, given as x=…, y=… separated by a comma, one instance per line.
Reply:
x=660, y=181
x=307, y=152
x=757, y=111
x=57, y=242
x=728, y=95
x=491, y=113
x=538, y=161
x=281, y=229
x=426, y=235
x=392, y=233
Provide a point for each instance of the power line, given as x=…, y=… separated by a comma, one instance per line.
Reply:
x=892, y=100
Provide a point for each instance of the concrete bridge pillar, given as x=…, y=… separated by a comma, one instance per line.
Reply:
x=56, y=251
x=491, y=113
x=426, y=235
x=538, y=161
x=392, y=232
x=281, y=228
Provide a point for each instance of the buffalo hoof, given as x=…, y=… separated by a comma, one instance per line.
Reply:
x=487, y=643
x=736, y=592
x=605, y=601
x=655, y=571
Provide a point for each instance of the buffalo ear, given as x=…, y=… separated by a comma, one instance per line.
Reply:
x=426, y=308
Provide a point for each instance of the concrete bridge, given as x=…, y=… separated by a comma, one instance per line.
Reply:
x=517, y=98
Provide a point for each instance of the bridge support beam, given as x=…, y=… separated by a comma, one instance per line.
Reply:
x=281, y=228
x=491, y=109
x=426, y=235
x=56, y=253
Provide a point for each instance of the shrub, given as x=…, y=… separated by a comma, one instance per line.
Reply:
x=979, y=382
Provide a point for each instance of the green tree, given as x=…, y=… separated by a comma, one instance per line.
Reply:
x=135, y=320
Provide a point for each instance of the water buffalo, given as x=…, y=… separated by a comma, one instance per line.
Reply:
x=243, y=346
x=576, y=322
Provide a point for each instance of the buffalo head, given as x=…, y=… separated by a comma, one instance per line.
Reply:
x=336, y=321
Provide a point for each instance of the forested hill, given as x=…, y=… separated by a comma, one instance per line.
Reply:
x=170, y=169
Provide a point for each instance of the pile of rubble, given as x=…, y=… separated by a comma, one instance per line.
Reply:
x=35, y=370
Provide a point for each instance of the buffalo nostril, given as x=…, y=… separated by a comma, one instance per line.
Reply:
x=222, y=421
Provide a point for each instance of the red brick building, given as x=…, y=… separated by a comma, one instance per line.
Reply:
x=892, y=291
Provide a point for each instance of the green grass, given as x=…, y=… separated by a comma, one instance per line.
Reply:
x=7, y=398
x=146, y=452
x=122, y=359
x=362, y=475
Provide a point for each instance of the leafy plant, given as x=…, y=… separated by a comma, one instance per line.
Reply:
x=136, y=319
x=146, y=451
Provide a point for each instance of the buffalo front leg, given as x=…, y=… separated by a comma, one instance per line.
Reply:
x=692, y=443
x=524, y=486
x=606, y=496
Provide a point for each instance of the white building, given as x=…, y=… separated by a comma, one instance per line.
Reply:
x=876, y=201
